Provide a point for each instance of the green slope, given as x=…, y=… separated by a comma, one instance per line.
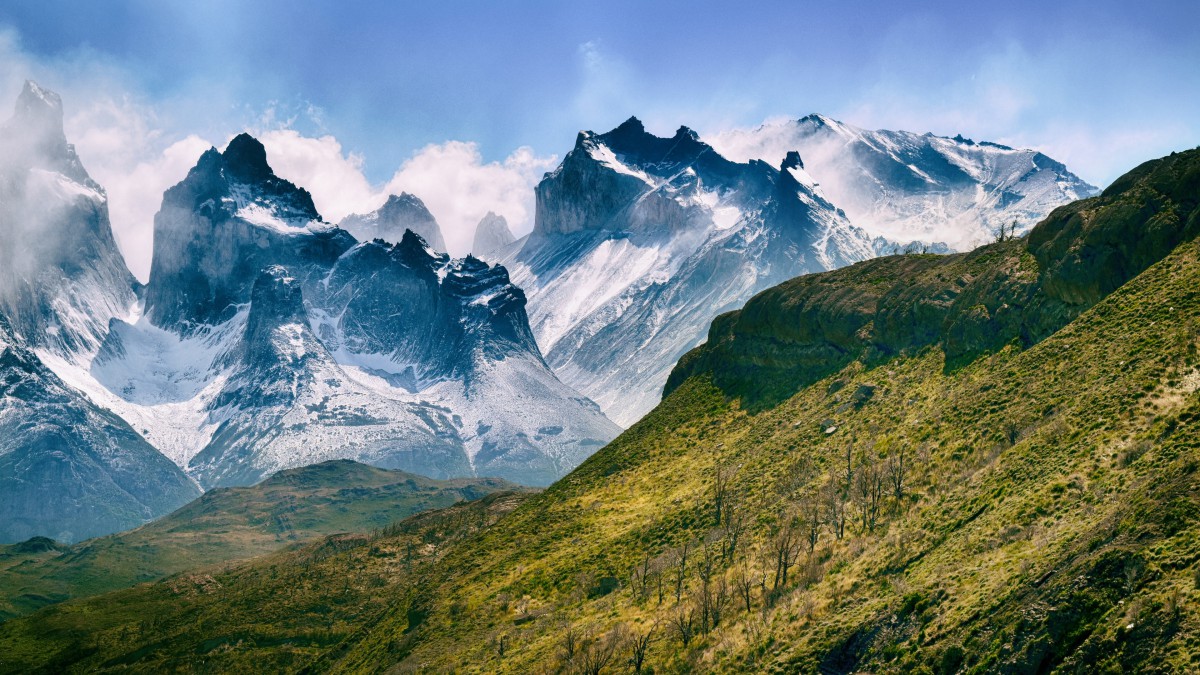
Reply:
x=282, y=611
x=1043, y=393
x=226, y=524
x=1048, y=519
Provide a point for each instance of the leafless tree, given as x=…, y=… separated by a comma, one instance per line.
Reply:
x=595, y=654
x=683, y=622
x=732, y=532
x=810, y=520
x=896, y=472
x=639, y=578
x=679, y=566
x=868, y=492
x=834, y=499
x=785, y=547
x=713, y=594
x=848, y=474
x=637, y=644
x=743, y=583
x=569, y=645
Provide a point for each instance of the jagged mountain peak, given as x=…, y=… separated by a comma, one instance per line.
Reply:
x=38, y=106
x=61, y=275
x=220, y=226
x=792, y=161
x=240, y=181
x=647, y=238
x=33, y=137
x=907, y=186
x=399, y=213
x=404, y=200
x=414, y=251
x=492, y=236
x=246, y=159
x=630, y=126
x=686, y=132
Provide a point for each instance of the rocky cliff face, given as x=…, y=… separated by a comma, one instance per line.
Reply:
x=223, y=224
x=639, y=241
x=399, y=213
x=1021, y=290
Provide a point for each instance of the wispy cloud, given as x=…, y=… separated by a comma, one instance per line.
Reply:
x=452, y=178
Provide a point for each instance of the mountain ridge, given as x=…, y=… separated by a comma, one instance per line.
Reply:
x=909, y=187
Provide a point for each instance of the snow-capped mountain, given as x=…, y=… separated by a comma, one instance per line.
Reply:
x=640, y=241
x=916, y=187
x=68, y=468
x=61, y=275
x=399, y=213
x=270, y=339
x=492, y=237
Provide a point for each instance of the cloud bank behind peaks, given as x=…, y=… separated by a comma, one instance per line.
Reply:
x=452, y=178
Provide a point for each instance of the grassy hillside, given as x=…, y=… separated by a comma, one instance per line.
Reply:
x=975, y=463
x=226, y=524
x=282, y=611
x=1046, y=514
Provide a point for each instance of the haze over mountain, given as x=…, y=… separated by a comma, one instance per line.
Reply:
x=917, y=187
x=492, y=236
x=68, y=468
x=399, y=213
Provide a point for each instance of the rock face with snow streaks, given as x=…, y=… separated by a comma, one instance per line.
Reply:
x=639, y=241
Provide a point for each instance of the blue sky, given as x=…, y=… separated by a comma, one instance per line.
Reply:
x=1099, y=85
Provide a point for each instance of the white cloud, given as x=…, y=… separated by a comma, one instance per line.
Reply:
x=123, y=150
x=135, y=194
x=452, y=178
x=460, y=188
x=319, y=165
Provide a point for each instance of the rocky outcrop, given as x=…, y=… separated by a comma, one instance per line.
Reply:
x=1019, y=291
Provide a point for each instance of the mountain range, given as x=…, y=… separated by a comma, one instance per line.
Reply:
x=267, y=338
x=640, y=241
x=906, y=187
x=976, y=462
